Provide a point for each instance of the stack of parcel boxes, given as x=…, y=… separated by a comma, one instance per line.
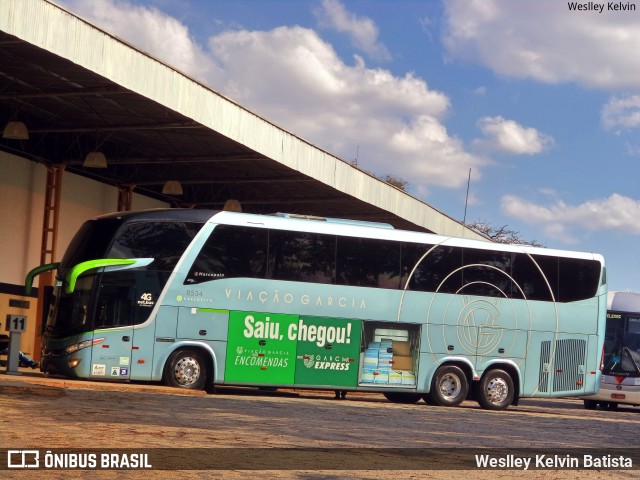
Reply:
x=388, y=362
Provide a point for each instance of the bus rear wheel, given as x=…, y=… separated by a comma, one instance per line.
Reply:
x=495, y=390
x=449, y=387
x=590, y=404
x=402, y=397
x=186, y=369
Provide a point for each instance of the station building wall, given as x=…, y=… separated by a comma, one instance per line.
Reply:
x=22, y=189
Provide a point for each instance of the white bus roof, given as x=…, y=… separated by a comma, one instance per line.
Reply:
x=372, y=230
x=623, y=301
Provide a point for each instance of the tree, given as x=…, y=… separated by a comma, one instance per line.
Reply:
x=501, y=234
x=394, y=180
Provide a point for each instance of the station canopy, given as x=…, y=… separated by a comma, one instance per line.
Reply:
x=77, y=89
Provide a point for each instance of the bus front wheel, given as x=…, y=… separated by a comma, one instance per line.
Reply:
x=449, y=387
x=590, y=404
x=186, y=369
x=495, y=390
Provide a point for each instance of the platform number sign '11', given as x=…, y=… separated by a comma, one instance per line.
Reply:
x=16, y=323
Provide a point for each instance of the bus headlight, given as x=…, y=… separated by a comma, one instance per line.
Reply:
x=74, y=363
x=80, y=345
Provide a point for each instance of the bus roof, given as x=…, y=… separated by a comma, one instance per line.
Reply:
x=162, y=214
x=623, y=301
x=335, y=226
x=381, y=231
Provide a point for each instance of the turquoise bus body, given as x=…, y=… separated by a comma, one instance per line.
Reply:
x=204, y=328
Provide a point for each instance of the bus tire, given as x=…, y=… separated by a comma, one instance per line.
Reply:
x=590, y=404
x=186, y=368
x=495, y=390
x=402, y=397
x=449, y=387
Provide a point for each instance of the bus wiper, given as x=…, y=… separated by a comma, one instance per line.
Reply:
x=628, y=353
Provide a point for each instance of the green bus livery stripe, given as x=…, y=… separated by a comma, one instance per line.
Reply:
x=212, y=310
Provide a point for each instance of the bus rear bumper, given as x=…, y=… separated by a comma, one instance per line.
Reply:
x=628, y=394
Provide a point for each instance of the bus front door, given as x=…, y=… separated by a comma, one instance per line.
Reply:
x=125, y=301
x=111, y=358
x=115, y=315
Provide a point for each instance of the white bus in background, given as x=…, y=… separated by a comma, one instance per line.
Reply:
x=621, y=369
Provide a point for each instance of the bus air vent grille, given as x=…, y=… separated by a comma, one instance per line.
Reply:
x=545, y=354
x=567, y=372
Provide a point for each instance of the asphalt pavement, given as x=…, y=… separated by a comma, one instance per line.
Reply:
x=36, y=382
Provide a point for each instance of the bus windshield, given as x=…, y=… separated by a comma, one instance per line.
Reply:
x=622, y=346
x=112, y=299
x=91, y=242
x=69, y=314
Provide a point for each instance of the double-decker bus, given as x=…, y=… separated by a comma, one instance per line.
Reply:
x=621, y=364
x=198, y=298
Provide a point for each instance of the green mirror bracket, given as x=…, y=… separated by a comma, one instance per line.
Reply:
x=83, y=267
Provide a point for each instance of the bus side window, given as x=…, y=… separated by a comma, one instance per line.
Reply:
x=488, y=273
x=165, y=242
x=535, y=284
x=231, y=252
x=578, y=279
x=365, y=262
x=302, y=257
x=126, y=298
x=438, y=271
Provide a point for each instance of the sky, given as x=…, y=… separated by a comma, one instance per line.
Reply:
x=516, y=113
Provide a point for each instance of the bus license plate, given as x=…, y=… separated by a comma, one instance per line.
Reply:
x=618, y=396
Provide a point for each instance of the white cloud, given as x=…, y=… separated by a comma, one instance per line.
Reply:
x=632, y=150
x=615, y=213
x=510, y=137
x=426, y=24
x=362, y=31
x=149, y=29
x=294, y=78
x=394, y=122
x=544, y=40
x=621, y=112
x=480, y=91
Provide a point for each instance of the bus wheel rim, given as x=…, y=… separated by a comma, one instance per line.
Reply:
x=187, y=371
x=450, y=386
x=497, y=390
